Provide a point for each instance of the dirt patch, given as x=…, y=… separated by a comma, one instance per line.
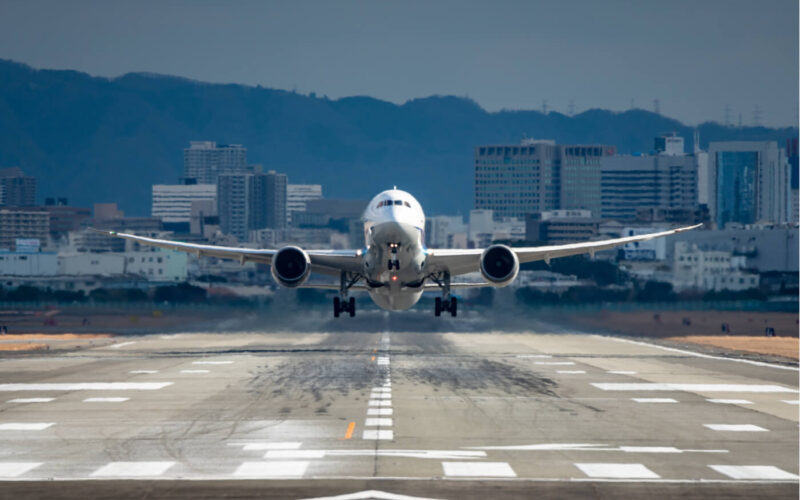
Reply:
x=54, y=336
x=777, y=346
x=29, y=346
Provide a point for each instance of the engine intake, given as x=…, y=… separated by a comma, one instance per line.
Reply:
x=291, y=266
x=499, y=265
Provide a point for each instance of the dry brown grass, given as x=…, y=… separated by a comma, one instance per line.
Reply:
x=779, y=346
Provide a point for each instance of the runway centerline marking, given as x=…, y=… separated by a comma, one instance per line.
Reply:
x=617, y=471
x=105, y=400
x=30, y=400
x=621, y=372
x=137, y=372
x=791, y=401
x=754, y=472
x=212, y=362
x=646, y=386
x=380, y=411
x=132, y=469
x=570, y=372
x=350, y=427
x=478, y=469
x=654, y=400
x=735, y=427
x=86, y=386
x=554, y=363
x=730, y=401
x=16, y=469
x=378, y=422
x=195, y=371
x=25, y=426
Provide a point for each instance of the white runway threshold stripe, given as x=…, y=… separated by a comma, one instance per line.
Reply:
x=381, y=435
x=86, y=386
x=730, y=401
x=105, y=400
x=133, y=469
x=378, y=422
x=754, y=472
x=31, y=400
x=478, y=469
x=625, y=386
x=272, y=469
x=380, y=411
x=16, y=469
x=617, y=471
x=25, y=426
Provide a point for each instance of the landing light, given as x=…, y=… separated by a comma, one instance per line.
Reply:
x=394, y=278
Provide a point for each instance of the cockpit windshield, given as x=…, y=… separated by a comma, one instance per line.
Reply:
x=387, y=203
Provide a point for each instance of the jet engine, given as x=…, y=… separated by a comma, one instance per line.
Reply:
x=499, y=265
x=291, y=266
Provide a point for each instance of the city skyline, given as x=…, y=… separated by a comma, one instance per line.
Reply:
x=732, y=61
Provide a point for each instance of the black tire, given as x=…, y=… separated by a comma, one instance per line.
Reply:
x=453, y=306
x=437, y=309
x=336, y=307
x=352, y=306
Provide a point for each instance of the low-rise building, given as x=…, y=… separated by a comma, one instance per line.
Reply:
x=709, y=269
x=561, y=226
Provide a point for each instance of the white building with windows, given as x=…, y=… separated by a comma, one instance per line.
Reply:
x=298, y=195
x=708, y=269
x=173, y=202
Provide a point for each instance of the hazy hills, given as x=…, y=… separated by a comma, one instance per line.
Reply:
x=100, y=140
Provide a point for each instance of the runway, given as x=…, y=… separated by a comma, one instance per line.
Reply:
x=440, y=414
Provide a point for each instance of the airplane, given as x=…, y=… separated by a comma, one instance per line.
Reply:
x=395, y=267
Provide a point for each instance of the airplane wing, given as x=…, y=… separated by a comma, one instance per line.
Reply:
x=457, y=261
x=330, y=262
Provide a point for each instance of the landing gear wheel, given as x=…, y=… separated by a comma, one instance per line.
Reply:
x=352, y=306
x=336, y=307
x=437, y=310
x=453, y=306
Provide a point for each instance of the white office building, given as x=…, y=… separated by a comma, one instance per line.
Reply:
x=173, y=202
x=298, y=195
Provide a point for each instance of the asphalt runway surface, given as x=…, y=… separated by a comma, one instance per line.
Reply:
x=373, y=403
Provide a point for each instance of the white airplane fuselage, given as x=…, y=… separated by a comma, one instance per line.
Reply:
x=394, y=253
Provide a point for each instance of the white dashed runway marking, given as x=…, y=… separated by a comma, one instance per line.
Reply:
x=554, y=363
x=609, y=386
x=31, y=400
x=730, y=401
x=378, y=422
x=380, y=411
x=212, y=362
x=16, y=469
x=105, y=400
x=195, y=371
x=534, y=356
x=137, y=372
x=133, y=469
x=274, y=469
x=617, y=471
x=478, y=469
x=754, y=472
x=87, y=386
x=570, y=372
x=25, y=426
x=293, y=445
x=383, y=435
x=621, y=372
x=735, y=427
x=654, y=400
x=791, y=401
x=650, y=449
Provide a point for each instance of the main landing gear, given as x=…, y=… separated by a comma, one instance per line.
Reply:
x=446, y=302
x=343, y=304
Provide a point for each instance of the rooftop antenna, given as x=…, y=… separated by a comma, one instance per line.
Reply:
x=756, y=116
x=544, y=106
x=657, y=106
x=696, y=140
x=727, y=115
x=395, y=187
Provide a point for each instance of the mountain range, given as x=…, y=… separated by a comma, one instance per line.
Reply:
x=94, y=139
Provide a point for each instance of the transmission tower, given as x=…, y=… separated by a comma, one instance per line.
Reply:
x=756, y=116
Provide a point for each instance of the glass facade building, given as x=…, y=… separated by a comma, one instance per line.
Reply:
x=736, y=187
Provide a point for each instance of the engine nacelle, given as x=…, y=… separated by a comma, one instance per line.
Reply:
x=499, y=265
x=291, y=266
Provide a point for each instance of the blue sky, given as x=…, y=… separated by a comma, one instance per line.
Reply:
x=695, y=57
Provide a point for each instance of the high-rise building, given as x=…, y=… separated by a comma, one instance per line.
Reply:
x=536, y=176
x=631, y=183
x=251, y=201
x=749, y=181
x=206, y=160
x=16, y=188
x=16, y=224
x=173, y=202
x=298, y=195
